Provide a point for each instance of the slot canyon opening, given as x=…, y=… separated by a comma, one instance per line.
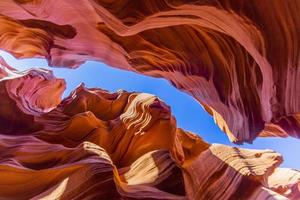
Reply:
x=188, y=112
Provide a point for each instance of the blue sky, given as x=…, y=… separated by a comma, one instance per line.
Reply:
x=189, y=114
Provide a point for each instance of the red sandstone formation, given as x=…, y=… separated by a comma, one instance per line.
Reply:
x=239, y=59
x=100, y=145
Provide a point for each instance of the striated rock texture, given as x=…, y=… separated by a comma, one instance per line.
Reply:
x=239, y=59
x=100, y=145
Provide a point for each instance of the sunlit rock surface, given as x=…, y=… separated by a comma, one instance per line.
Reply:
x=100, y=145
x=239, y=59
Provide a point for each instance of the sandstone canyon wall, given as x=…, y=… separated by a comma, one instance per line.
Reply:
x=100, y=145
x=238, y=58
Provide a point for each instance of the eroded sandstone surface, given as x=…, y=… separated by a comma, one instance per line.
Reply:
x=123, y=145
x=239, y=59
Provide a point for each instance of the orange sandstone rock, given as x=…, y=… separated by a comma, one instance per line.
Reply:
x=100, y=145
x=239, y=59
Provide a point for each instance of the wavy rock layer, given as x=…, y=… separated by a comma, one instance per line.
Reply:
x=239, y=59
x=100, y=145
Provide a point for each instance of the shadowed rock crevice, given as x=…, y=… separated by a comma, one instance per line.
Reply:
x=63, y=31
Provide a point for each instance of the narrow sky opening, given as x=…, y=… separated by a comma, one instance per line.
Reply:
x=188, y=112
